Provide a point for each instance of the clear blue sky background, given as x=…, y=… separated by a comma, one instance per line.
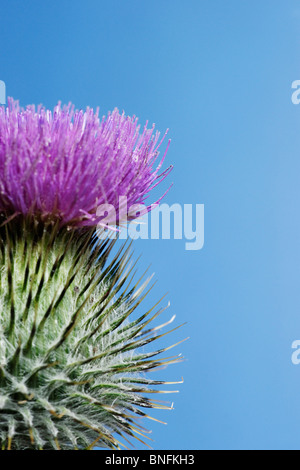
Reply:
x=219, y=75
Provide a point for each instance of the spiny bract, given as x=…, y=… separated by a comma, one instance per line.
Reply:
x=72, y=362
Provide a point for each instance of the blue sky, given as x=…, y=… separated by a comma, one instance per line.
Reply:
x=218, y=75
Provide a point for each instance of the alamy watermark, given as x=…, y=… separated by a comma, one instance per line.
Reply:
x=178, y=222
x=2, y=92
x=296, y=354
x=295, y=357
x=296, y=94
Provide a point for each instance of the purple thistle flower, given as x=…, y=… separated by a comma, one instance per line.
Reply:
x=64, y=164
x=74, y=370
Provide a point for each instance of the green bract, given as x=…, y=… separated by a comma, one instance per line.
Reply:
x=72, y=363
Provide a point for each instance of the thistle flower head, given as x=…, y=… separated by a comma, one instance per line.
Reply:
x=64, y=164
x=73, y=359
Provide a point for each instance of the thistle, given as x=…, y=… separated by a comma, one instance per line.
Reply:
x=74, y=346
x=65, y=164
